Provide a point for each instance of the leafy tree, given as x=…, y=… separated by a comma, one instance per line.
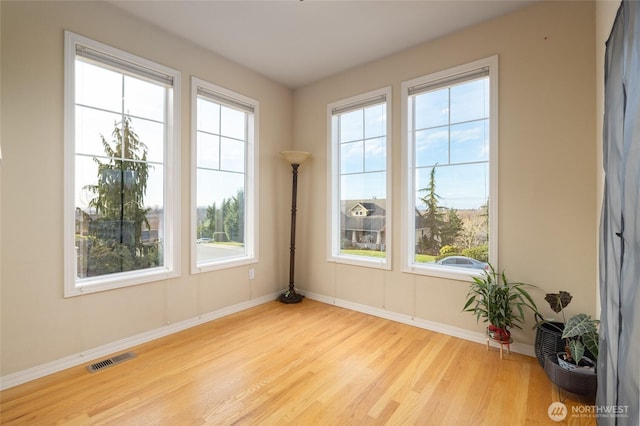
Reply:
x=119, y=202
x=471, y=232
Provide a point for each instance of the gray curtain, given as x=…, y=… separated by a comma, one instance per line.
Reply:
x=619, y=359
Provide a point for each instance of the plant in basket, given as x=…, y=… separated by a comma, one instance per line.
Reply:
x=580, y=335
x=498, y=302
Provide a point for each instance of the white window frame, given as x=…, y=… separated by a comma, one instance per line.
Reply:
x=408, y=176
x=333, y=174
x=171, y=266
x=251, y=214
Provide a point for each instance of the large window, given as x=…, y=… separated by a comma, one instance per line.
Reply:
x=121, y=168
x=450, y=138
x=224, y=206
x=360, y=199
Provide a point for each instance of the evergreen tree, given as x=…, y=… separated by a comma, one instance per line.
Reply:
x=451, y=227
x=433, y=217
x=119, y=201
x=212, y=218
x=231, y=222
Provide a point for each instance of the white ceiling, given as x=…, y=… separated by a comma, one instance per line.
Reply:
x=298, y=42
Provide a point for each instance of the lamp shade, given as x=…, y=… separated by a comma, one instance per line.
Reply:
x=295, y=157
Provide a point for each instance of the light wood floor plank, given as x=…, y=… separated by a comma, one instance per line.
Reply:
x=304, y=364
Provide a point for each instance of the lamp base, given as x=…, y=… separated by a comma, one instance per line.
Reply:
x=290, y=297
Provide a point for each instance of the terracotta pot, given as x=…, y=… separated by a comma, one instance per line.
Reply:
x=499, y=334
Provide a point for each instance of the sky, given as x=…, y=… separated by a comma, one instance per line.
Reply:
x=101, y=97
x=451, y=133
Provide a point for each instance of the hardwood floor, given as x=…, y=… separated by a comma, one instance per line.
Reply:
x=304, y=364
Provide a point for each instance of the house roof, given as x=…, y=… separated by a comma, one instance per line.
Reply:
x=374, y=221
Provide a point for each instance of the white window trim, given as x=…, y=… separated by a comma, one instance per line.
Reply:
x=251, y=178
x=408, y=180
x=171, y=268
x=333, y=178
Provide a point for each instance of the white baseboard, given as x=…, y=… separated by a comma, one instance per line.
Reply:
x=473, y=336
x=42, y=370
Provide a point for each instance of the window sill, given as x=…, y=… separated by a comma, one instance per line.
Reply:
x=114, y=281
x=451, y=273
x=376, y=263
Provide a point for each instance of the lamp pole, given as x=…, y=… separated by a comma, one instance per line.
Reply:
x=295, y=158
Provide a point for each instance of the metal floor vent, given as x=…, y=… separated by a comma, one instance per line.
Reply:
x=101, y=365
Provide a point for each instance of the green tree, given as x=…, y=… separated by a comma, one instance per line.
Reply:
x=451, y=227
x=212, y=219
x=231, y=218
x=119, y=203
x=433, y=218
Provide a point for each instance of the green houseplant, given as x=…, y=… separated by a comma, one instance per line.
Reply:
x=580, y=334
x=502, y=304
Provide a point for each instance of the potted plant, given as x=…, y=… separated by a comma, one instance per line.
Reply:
x=498, y=302
x=563, y=354
x=579, y=335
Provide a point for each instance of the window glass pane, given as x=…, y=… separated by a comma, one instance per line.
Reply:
x=116, y=230
x=469, y=101
x=208, y=151
x=98, y=87
x=208, y=116
x=92, y=125
x=151, y=133
x=432, y=147
x=451, y=165
x=469, y=142
x=363, y=186
x=221, y=185
x=351, y=157
x=233, y=123
x=375, y=121
x=154, y=196
x=220, y=214
x=460, y=187
x=143, y=99
x=375, y=155
x=359, y=228
x=232, y=155
x=432, y=109
x=351, y=126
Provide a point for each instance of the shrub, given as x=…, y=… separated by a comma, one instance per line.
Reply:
x=480, y=253
x=345, y=243
x=448, y=250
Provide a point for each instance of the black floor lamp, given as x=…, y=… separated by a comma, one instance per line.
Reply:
x=295, y=158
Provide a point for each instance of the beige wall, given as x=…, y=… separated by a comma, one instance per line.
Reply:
x=547, y=188
x=38, y=324
x=549, y=170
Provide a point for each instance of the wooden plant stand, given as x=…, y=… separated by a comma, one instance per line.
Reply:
x=501, y=343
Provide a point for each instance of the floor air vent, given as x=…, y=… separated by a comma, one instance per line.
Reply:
x=101, y=365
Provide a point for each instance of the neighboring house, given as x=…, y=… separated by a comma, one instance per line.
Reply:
x=363, y=223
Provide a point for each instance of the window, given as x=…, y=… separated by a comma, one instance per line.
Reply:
x=224, y=206
x=450, y=140
x=360, y=202
x=121, y=168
